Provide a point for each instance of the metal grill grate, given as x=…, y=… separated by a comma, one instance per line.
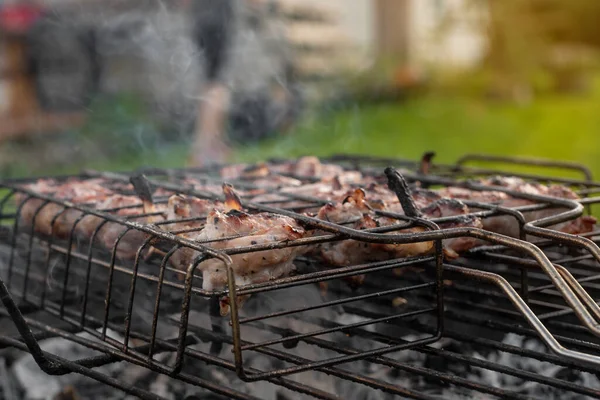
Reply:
x=289, y=333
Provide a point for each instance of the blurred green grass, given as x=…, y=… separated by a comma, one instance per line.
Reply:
x=558, y=127
x=555, y=127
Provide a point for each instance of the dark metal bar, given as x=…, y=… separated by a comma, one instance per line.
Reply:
x=132, y=284
x=587, y=173
x=30, y=247
x=111, y=273
x=335, y=303
x=48, y=256
x=567, y=286
x=398, y=185
x=340, y=328
x=68, y=263
x=45, y=363
x=88, y=272
x=142, y=187
x=70, y=366
x=13, y=244
x=159, y=286
x=425, y=165
x=185, y=310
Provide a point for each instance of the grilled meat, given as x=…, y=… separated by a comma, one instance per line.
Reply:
x=231, y=228
x=507, y=225
x=446, y=207
x=311, y=167
x=129, y=240
x=359, y=213
x=261, y=175
x=224, y=225
x=303, y=168
x=293, y=197
x=51, y=218
x=186, y=217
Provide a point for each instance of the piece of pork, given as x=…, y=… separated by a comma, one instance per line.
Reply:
x=312, y=167
x=260, y=176
x=305, y=168
x=231, y=228
x=186, y=217
x=52, y=218
x=127, y=207
x=507, y=225
x=359, y=213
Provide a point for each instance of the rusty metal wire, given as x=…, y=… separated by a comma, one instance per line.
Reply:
x=537, y=288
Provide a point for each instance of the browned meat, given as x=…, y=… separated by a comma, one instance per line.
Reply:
x=260, y=175
x=187, y=217
x=131, y=208
x=315, y=194
x=252, y=229
x=450, y=208
x=507, y=225
x=225, y=225
x=92, y=194
x=311, y=167
x=272, y=175
x=75, y=191
x=230, y=228
x=359, y=213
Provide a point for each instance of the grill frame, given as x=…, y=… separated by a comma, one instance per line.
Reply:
x=53, y=365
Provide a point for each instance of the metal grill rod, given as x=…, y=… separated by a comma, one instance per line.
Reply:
x=576, y=208
x=536, y=162
x=70, y=366
x=116, y=353
x=334, y=371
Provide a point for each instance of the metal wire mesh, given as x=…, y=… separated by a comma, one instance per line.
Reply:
x=290, y=326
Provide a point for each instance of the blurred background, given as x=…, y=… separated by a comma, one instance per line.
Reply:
x=116, y=84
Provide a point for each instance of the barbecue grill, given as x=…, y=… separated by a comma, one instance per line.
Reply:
x=515, y=318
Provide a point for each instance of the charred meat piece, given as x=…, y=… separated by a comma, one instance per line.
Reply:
x=446, y=207
x=359, y=213
x=129, y=207
x=356, y=212
x=311, y=167
x=507, y=225
x=54, y=219
x=231, y=228
x=186, y=217
x=303, y=168
x=260, y=175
